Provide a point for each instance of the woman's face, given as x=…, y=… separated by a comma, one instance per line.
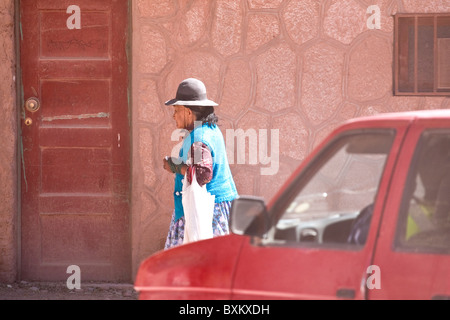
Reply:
x=183, y=117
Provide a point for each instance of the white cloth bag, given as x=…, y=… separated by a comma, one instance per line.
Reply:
x=198, y=206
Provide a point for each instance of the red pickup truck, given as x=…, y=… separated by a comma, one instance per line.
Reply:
x=365, y=216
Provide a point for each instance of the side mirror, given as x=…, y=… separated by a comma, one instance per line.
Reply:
x=249, y=216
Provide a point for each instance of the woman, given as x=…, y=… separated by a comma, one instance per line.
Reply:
x=204, y=150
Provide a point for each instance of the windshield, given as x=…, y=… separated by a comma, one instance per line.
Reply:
x=331, y=192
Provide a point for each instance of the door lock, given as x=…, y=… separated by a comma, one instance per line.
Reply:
x=32, y=104
x=28, y=121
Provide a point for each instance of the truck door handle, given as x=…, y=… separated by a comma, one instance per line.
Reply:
x=440, y=297
x=345, y=293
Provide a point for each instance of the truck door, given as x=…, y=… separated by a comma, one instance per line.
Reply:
x=413, y=249
x=308, y=254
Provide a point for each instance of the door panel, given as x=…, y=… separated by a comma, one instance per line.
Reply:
x=76, y=164
x=300, y=273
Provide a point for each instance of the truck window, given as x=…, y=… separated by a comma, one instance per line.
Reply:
x=334, y=195
x=424, y=220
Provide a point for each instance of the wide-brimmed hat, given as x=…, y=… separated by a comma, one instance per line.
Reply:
x=191, y=92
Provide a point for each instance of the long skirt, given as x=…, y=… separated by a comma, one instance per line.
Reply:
x=220, y=225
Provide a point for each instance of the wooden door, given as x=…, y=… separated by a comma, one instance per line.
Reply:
x=75, y=146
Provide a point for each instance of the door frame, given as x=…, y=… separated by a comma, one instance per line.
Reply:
x=19, y=104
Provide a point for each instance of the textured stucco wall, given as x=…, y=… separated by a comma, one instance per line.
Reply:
x=8, y=175
x=299, y=67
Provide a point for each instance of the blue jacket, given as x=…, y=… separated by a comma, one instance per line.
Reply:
x=222, y=183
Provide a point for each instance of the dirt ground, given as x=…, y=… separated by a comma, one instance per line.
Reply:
x=24, y=290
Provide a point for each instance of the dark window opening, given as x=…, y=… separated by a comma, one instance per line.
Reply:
x=424, y=221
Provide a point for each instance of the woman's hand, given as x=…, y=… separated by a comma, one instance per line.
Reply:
x=166, y=165
x=171, y=167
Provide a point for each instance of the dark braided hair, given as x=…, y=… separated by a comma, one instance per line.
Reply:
x=205, y=114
